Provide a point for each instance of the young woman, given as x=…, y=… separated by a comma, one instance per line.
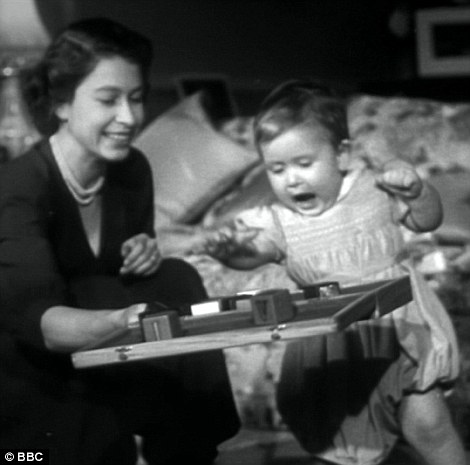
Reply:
x=78, y=255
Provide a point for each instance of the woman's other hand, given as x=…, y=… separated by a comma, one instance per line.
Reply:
x=141, y=256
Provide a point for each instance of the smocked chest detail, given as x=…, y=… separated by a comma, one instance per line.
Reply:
x=357, y=236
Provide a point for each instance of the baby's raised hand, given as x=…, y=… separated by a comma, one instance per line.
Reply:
x=400, y=179
x=141, y=255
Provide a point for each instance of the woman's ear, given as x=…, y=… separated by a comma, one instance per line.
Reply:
x=344, y=155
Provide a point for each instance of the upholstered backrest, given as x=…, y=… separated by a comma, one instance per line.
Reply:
x=192, y=163
x=433, y=136
x=430, y=134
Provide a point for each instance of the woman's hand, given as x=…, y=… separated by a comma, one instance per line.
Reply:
x=141, y=256
x=67, y=329
x=131, y=315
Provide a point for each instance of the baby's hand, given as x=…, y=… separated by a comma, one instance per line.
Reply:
x=230, y=240
x=141, y=256
x=401, y=180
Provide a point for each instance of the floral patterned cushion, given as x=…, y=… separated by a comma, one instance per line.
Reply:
x=430, y=134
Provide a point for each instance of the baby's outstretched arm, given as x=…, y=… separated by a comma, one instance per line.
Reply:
x=424, y=207
x=235, y=245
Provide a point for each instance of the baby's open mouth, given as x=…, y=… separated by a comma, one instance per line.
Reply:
x=304, y=197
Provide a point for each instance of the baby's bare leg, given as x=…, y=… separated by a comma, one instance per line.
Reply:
x=427, y=426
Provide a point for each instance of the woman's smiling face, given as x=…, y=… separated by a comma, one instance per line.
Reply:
x=106, y=111
x=304, y=169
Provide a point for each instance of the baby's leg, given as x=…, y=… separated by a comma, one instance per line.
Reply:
x=427, y=426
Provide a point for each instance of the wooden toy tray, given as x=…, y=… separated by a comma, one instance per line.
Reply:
x=313, y=316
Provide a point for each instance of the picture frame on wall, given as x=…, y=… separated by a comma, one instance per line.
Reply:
x=443, y=42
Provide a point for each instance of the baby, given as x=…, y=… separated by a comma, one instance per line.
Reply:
x=348, y=397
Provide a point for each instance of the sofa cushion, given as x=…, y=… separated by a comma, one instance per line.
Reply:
x=427, y=133
x=192, y=163
x=253, y=190
x=454, y=189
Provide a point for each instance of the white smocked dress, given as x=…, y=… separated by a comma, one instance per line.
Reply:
x=340, y=393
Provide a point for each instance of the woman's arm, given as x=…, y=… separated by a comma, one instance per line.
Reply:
x=67, y=329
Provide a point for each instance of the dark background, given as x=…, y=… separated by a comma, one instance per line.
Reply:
x=256, y=44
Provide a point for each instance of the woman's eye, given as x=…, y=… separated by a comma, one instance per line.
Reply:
x=305, y=163
x=276, y=169
x=107, y=101
x=137, y=99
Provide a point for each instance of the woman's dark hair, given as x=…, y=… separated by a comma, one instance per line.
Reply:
x=298, y=102
x=72, y=56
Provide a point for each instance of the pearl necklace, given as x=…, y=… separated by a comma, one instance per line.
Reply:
x=83, y=196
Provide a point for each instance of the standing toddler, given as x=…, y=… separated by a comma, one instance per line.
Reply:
x=348, y=397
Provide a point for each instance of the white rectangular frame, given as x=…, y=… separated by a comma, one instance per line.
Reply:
x=428, y=61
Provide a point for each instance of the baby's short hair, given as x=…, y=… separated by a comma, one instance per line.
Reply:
x=299, y=102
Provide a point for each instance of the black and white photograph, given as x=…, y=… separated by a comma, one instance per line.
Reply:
x=235, y=232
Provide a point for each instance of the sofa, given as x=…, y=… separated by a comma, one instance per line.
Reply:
x=206, y=171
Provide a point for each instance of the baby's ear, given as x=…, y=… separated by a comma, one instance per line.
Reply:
x=344, y=155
